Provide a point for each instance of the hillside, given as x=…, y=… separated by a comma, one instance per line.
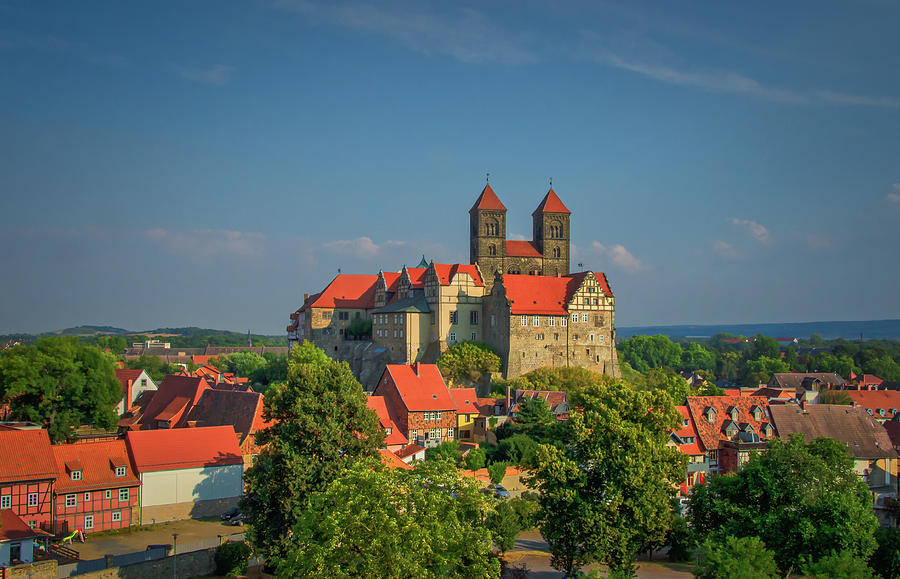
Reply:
x=187, y=337
x=870, y=330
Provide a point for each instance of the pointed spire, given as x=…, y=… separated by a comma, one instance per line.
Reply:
x=423, y=264
x=551, y=203
x=488, y=200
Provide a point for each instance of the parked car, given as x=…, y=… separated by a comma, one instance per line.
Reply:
x=230, y=514
x=500, y=492
x=237, y=520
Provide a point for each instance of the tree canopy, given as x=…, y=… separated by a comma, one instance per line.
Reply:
x=321, y=426
x=61, y=384
x=467, y=362
x=803, y=501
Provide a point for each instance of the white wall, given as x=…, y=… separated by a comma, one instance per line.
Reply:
x=167, y=487
x=27, y=551
x=136, y=390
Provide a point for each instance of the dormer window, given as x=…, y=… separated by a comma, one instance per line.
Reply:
x=711, y=414
x=75, y=475
x=121, y=471
x=748, y=427
x=767, y=429
x=734, y=413
x=869, y=410
x=881, y=412
x=388, y=430
x=685, y=422
x=757, y=413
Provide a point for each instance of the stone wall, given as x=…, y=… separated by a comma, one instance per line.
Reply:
x=194, y=564
x=37, y=570
x=187, y=510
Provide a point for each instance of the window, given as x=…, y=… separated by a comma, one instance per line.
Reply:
x=551, y=321
x=575, y=337
x=493, y=321
x=492, y=250
x=450, y=433
x=473, y=318
x=474, y=336
x=107, y=494
x=326, y=315
x=6, y=502
x=556, y=252
x=395, y=333
x=574, y=318
x=452, y=336
x=591, y=337
x=388, y=430
x=143, y=382
x=598, y=320
x=123, y=494
x=685, y=422
x=89, y=521
x=556, y=336
x=401, y=333
x=601, y=338
x=76, y=475
x=87, y=497
x=434, y=433
x=535, y=321
x=71, y=501
x=454, y=317
x=32, y=500
x=563, y=321
x=121, y=471
x=413, y=435
x=117, y=516
x=343, y=315
x=396, y=319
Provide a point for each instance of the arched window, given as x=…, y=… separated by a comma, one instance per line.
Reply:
x=491, y=228
x=492, y=249
x=557, y=252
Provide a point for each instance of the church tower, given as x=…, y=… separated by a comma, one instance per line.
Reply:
x=487, y=233
x=550, y=222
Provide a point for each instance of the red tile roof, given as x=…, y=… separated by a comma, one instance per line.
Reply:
x=379, y=405
x=446, y=272
x=691, y=449
x=409, y=450
x=875, y=400
x=551, y=204
x=488, y=200
x=348, y=291
x=126, y=374
x=545, y=295
x=391, y=460
x=180, y=448
x=98, y=461
x=12, y=528
x=25, y=456
x=466, y=400
x=423, y=391
x=240, y=410
x=710, y=434
x=522, y=249
x=173, y=400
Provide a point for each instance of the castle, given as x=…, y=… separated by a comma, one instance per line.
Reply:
x=517, y=296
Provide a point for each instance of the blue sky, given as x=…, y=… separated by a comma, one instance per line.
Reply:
x=206, y=163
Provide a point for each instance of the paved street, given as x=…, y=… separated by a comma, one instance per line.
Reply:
x=189, y=532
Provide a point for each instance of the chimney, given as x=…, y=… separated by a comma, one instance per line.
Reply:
x=305, y=298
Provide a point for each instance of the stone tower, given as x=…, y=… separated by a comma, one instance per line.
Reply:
x=550, y=226
x=487, y=234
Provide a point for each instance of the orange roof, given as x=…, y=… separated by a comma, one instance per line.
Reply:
x=391, y=460
x=409, y=450
x=98, y=461
x=522, y=249
x=466, y=400
x=199, y=359
x=488, y=200
x=379, y=405
x=551, y=204
x=417, y=276
x=421, y=387
x=13, y=528
x=26, y=456
x=711, y=433
x=876, y=400
x=181, y=448
x=126, y=374
x=534, y=294
x=173, y=399
x=446, y=272
x=348, y=291
x=685, y=431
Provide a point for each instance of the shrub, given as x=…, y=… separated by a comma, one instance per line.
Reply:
x=231, y=558
x=843, y=565
x=736, y=559
x=679, y=540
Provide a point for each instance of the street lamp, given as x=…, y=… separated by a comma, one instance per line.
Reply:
x=175, y=555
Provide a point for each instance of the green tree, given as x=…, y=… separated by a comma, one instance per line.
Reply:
x=497, y=470
x=696, y=357
x=645, y=352
x=360, y=328
x=153, y=365
x=563, y=379
x=802, y=500
x=671, y=383
x=246, y=364
x=475, y=459
x=468, y=362
x=231, y=558
x=760, y=371
x=321, y=425
x=728, y=365
x=446, y=451
x=736, y=558
x=680, y=540
x=607, y=493
x=374, y=522
x=827, y=362
x=518, y=449
x=884, y=367
x=886, y=558
x=764, y=346
x=504, y=525
x=843, y=565
x=816, y=341
x=835, y=397
x=61, y=384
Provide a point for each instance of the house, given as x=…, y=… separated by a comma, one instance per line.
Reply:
x=868, y=382
x=730, y=428
x=134, y=382
x=491, y=414
x=467, y=411
x=172, y=402
x=238, y=409
x=394, y=438
x=555, y=400
x=16, y=541
x=806, y=384
x=410, y=453
x=27, y=475
x=875, y=459
x=883, y=405
x=424, y=409
x=96, y=487
x=687, y=441
x=186, y=472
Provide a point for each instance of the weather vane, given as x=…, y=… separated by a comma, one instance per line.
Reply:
x=551, y=182
x=487, y=177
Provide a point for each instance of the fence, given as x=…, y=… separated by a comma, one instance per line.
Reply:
x=158, y=552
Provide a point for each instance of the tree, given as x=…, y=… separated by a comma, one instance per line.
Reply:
x=446, y=451
x=321, y=425
x=736, y=558
x=60, y=384
x=802, y=500
x=696, y=357
x=671, y=383
x=840, y=365
x=246, y=364
x=886, y=557
x=680, y=540
x=842, y=565
x=607, y=492
x=760, y=371
x=231, y=558
x=467, y=362
x=504, y=526
x=884, y=367
x=360, y=328
x=475, y=459
x=835, y=397
x=645, y=352
x=518, y=449
x=497, y=471
x=728, y=366
x=563, y=379
x=764, y=346
x=374, y=522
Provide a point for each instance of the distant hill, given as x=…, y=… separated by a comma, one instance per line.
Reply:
x=90, y=331
x=870, y=330
x=187, y=337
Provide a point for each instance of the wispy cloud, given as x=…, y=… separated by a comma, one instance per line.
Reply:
x=894, y=197
x=204, y=243
x=724, y=249
x=465, y=34
x=840, y=98
x=754, y=229
x=217, y=74
x=361, y=247
x=619, y=256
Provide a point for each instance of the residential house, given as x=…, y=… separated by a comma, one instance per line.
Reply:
x=27, y=475
x=172, y=402
x=806, y=384
x=392, y=461
x=883, y=405
x=868, y=382
x=730, y=428
x=423, y=408
x=491, y=414
x=240, y=410
x=410, y=453
x=554, y=399
x=134, y=382
x=96, y=487
x=687, y=441
x=875, y=459
x=16, y=541
x=186, y=472
x=467, y=411
x=394, y=439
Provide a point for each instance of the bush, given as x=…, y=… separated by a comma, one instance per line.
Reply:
x=679, y=540
x=843, y=565
x=497, y=470
x=231, y=558
x=448, y=451
x=475, y=459
x=736, y=559
x=518, y=449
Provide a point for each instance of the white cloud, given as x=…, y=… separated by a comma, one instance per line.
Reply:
x=724, y=249
x=840, y=98
x=361, y=247
x=517, y=237
x=894, y=197
x=754, y=229
x=620, y=256
x=218, y=74
x=203, y=243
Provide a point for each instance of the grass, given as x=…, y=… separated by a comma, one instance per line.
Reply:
x=126, y=531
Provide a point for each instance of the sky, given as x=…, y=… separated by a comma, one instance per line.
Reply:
x=205, y=164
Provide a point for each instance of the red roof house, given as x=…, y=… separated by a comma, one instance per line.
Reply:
x=881, y=404
x=394, y=438
x=729, y=427
x=27, y=475
x=134, y=381
x=172, y=402
x=16, y=541
x=421, y=402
